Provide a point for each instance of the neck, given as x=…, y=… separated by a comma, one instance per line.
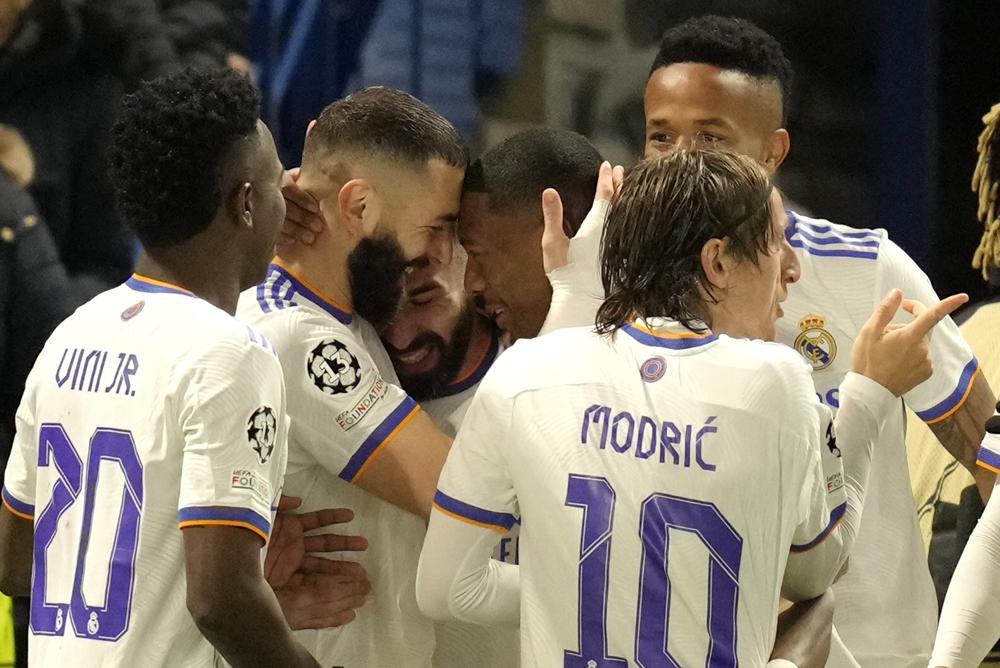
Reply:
x=479, y=345
x=200, y=273
x=326, y=269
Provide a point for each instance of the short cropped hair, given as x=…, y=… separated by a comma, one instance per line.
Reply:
x=516, y=171
x=730, y=44
x=667, y=209
x=387, y=123
x=169, y=147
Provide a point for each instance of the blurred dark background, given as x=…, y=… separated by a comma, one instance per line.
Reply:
x=886, y=108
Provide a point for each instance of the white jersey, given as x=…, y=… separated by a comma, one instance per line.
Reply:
x=148, y=407
x=846, y=272
x=345, y=404
x=602, y=447
x=463, y=645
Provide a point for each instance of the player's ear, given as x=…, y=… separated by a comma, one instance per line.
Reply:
x=715, y=262
x=358, y=207
x=243, y=204
x=776, y=149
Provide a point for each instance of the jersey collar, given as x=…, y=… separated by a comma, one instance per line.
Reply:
x=287, y=286
x=670, y=334
x=462, y=383
x=141, y=283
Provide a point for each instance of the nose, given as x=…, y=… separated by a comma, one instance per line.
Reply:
x=440, y=248
x=401, y=332
x=474, y=282
x=791, y=270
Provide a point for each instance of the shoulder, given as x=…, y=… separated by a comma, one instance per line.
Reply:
x=210, y=336
x=771, y=375
x=564, y=357
x=818, y=238
x=289, y=326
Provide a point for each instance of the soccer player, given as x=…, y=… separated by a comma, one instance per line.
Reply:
x=501, y=223
x=725, y=82
x=152, y=406
x=386, y=172
x=970, y=617
x=439, y=344
x=667, y=418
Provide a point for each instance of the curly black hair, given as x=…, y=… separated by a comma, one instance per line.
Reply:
x=169, y=146
x=516, y=171
x=728, y=43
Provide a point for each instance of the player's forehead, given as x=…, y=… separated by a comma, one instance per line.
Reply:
x=779, y=217
x=476, y=220
x=698, y=92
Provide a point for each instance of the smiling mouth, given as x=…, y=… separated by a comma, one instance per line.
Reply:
x=414, y=357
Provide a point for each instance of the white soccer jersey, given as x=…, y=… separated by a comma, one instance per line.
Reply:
x=147, y=407
x=345, y=404
x=676, y=470
x=464, y=645
x=846, y=272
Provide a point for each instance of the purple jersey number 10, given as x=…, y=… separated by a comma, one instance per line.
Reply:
x=660, y=513
x=108, y=621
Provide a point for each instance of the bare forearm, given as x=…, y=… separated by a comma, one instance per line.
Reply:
x=248, y=629
x=16, y=541
x=962, y=432
x=803, y=635
x=232, y=604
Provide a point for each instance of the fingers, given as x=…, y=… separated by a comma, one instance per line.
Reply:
x=293, y=193
x=555, y=243
x=331, y=542
x=928, y=317
x=884, y=312
x=324, y=518
x=605, y=182
x=303, y=218
x=617, y=176
x=321, y=566
x=286, y=503
x=321, y=618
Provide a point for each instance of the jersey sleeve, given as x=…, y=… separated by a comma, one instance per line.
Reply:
x=989, y=448
x=343, y=412
x=955, y=366
x=475, y=484
x=821, y=500
x=231, y=405
x=18, y=493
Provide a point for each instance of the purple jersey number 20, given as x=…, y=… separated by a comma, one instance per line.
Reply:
x=109, y=620
x=660, y=514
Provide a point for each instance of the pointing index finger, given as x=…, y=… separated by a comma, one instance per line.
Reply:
x=927, y=317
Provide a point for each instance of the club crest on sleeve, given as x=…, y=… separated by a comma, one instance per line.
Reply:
x=262, y=429
x=133, y=310
x=332, y=368
x=653, y=369
x=815, y=343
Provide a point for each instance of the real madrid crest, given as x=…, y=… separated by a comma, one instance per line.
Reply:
x=815, y=343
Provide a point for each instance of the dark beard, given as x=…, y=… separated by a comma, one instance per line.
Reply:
x=375, y=270
x=434, y=383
